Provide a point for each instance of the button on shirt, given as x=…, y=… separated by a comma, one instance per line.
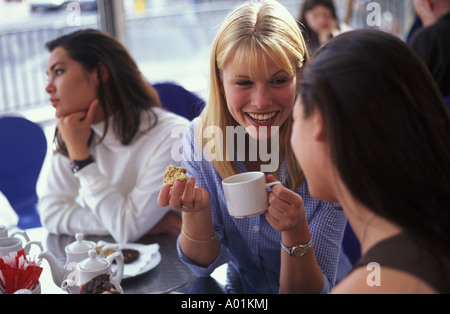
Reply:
x=252, y=244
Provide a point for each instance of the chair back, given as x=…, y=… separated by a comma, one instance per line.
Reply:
x=23, y=149
x=350, y=245
x=447, y=101
x=178, y=100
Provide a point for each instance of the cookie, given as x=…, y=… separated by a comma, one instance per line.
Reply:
x=130, y=255
x=107, y=252
x=99, y=285
x=174, y=174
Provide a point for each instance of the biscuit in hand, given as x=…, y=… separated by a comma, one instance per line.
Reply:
x=174, y=174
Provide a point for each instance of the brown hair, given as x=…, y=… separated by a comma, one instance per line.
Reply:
x=125, y=92
x=388, y=129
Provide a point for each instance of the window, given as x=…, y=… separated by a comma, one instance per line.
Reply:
x=170, y=39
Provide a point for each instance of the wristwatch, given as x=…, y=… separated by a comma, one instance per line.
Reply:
x=298, y=249
x=77, y=165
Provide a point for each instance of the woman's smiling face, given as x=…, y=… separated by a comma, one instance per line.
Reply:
x=263, y=98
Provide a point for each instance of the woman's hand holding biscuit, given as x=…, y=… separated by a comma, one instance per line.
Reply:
x=184, y=196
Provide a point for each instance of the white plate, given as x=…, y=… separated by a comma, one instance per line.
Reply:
x=149, y=258
x=149, y=265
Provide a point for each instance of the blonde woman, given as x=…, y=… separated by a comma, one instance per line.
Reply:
x=257, y=56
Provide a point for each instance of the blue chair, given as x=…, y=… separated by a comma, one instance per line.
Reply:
x=350, y=245
x=179, y=100
x=447, y=102
x=23, y=149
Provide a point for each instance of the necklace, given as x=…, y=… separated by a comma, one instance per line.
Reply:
x=366, y=223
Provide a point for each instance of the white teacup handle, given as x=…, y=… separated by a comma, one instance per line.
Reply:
x=268, y=185
x=29, y=244
x=21, y=233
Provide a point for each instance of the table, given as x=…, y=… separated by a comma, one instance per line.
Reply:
x=169, y=273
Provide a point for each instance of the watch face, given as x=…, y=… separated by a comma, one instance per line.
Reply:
x=298, y=251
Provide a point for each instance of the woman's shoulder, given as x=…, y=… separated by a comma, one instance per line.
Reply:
x=161, y=121
x=166, y=117
x=398, y=264
x=376, y=279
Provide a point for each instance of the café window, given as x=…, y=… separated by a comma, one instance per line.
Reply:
x=169, y=39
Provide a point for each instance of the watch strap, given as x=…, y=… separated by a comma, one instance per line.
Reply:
x=77, y=165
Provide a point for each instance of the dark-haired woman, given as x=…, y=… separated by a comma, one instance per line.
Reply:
x=113, y=142
x=319, y=21
x=371, y=131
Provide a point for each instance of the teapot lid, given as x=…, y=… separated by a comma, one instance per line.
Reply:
x=93, y=262
x=80, y=245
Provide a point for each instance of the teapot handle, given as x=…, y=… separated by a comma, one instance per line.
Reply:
x=29, y=244
x=118, y=273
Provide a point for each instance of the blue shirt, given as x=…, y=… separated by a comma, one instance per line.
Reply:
x=252, y=244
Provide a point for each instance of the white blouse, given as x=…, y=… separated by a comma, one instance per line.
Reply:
x=117, y=194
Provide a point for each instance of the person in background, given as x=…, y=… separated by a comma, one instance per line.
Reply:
x=256, y=59
x=371, y=132
x=432, y=43
x=319, y=21
x=112, y=143
x=415, y=27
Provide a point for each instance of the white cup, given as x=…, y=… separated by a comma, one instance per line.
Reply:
x=8, y=245
x=246, y=194
x=3, y=232
x=36, y=290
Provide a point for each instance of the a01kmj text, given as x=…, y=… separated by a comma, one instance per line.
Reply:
x=229, y=304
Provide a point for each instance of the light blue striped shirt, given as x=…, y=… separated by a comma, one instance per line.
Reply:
x=252, y=244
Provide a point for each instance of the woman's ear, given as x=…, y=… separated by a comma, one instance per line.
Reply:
x=219, y=74
x=221, y=86
x=102, y=73
x=319, y=129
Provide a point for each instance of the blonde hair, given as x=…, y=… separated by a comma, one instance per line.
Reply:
x=254, y=30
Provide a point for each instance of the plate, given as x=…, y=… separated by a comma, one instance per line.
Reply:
x=142, y=263
x=149, y=258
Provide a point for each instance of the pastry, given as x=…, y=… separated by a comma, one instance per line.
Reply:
x=130, y=255
x=107, y=252
x=174, y=174
x=99, y=285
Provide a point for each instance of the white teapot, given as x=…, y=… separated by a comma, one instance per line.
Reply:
x=94, y=266
x=75, y=253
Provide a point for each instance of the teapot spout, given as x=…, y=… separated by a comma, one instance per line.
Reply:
x=58, y=271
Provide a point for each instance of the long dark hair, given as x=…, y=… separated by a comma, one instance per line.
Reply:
x=312, y=38
x=125, y=92
x=388, y=130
